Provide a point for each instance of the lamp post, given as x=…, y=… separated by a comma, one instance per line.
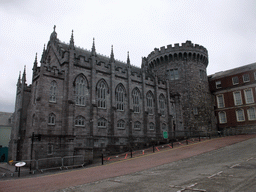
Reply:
x=32, y=143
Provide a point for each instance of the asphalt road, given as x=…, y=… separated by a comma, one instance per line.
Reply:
x=232, y=168
x=221, y=164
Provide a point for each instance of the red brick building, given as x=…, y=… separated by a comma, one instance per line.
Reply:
x=234, y=93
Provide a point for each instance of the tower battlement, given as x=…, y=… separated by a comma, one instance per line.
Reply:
x=184, y=51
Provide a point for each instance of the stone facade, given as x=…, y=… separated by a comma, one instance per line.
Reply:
x=80, y=100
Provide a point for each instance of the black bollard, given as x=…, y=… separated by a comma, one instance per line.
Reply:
x=102, y=159
x=131, y=152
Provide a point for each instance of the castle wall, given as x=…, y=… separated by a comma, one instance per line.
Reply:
x=63, y=64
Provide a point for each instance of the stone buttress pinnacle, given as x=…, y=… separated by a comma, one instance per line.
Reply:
x=71, y=43
x=112, y=58
x=93, y=53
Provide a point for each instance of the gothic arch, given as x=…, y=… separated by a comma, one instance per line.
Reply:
x=84, y=77
x=102, y=81
x=122, y=86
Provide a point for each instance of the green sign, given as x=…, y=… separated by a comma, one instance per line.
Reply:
x=165, y=134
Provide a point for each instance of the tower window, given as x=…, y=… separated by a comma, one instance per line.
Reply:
x=137, y=125
x=53, y=90
x=80, y=91
x=151, y=126
x=174, y=74
x=162, y=104
x=102, y=123
x=120, y=124
x=202, y=74
x=80, y=121
x=120, y=98
x=101, y=94
x=136, y=100
x=150, y=103
x=51, y=119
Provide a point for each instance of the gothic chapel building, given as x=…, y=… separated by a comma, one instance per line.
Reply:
x=80, y=100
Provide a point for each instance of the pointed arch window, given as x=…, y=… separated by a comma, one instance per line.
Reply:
x=121, y=124
x=137, y=125
x=101, y=94
x=102, y=123
x=120, y=94
x=151, y=126
x=136, y=100
x=150, y=103
x=162, y=104
x=53, y=91
x=80, y=121
x=51, y=119
x=80, y=91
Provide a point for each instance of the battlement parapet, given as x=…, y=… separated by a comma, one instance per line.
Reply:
x=184, y=51
x=184, y=47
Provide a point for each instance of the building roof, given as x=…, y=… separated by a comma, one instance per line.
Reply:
x=233, y=71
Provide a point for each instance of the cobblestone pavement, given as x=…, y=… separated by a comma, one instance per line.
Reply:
x=199, y=166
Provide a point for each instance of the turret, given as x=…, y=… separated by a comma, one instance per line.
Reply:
x=187, y=51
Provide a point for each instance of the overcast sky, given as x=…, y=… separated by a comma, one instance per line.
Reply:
x=226, y=28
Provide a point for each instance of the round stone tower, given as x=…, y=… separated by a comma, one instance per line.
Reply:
x=184, y=67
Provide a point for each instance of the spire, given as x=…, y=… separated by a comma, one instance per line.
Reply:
x=71, y=44
x=35, y=63
x=112, y=59
x=128, y=58
x=19, y=80
x=93, y=53
x=24, y=75
x=43, y=54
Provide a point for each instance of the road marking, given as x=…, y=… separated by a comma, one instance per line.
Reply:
x=250, y=159
x=187, y=188
x=234, y=166
x=215, y=174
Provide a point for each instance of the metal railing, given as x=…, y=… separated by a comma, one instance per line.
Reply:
x=52, y=163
